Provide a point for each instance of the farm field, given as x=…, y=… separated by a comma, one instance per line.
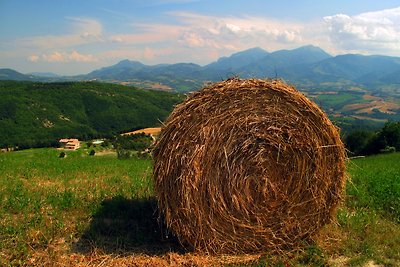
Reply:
x=357, y=104
x=100, y=211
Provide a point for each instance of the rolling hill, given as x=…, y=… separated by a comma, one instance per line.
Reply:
x=307, y=66
x=355, y=68
x=352, y=86
x=37, y=114
x=254, y=62
x=275, y=64
x=10, y=74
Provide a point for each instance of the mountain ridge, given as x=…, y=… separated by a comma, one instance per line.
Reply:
x=304, y=65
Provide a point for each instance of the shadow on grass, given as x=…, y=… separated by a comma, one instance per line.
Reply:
x=123, y=226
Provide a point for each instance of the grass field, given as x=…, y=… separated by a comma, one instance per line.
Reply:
x=368, y=222
x=100, y=211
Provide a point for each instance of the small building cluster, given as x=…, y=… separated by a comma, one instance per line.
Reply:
x=71, y=144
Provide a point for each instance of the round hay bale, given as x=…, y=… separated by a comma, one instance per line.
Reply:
x=246, y=166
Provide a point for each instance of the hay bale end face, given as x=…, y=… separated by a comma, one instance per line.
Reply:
x=246, y=166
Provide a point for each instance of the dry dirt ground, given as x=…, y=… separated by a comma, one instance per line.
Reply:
x=151, y=131
x=96, y=258
x=374, y=103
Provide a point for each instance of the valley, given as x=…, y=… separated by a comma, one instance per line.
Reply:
x=354, y=90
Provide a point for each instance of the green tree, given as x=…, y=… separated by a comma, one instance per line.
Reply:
x=357, y=141
x=384, y=139
x=390, y=135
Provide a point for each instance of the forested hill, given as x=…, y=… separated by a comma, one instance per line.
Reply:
x=38, y=114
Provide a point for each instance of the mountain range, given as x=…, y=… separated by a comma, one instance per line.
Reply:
x=354, y=90
x=307, y=66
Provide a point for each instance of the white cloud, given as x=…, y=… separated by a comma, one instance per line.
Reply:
x=233, y=33
x=377, y=31
x=56, y=56
x=33, y=58
x=149, y=34
x=209, y=36
x=214, y=36
x=86, y=27
x=192, y=37
x=233, y=27
x=82, y=31
x=75, y=56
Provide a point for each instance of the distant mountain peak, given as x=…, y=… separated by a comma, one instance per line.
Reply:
x=239, y=59
x=10, y=74
x=308, y=63
x=311, y=48
x=255, y=51
x=129, y=63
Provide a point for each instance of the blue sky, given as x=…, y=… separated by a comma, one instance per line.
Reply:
x=74, y=37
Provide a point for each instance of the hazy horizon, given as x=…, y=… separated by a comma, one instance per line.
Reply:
x=76, y=37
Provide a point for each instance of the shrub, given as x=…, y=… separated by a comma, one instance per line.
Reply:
x=123, y=154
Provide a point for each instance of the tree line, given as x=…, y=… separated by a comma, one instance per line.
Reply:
x=367, y=142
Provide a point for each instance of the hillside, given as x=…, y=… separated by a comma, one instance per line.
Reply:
x=305, y=66
x=10, y=74
x=308, y=67
x=254, y=62
x=352, y=88
x=13, y=75
x=37, y=114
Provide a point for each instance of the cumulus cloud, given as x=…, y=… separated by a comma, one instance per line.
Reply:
x=235, y=33
x=211, y=36
x=377, y=31
x=75, y=56
x=214, y=36
x=56, y=56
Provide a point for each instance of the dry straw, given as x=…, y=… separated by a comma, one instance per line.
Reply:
x=246, y=166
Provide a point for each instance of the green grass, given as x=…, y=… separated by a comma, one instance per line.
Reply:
x=52, y=209
x=375, y=185
x=370, y=219
x=45, y=199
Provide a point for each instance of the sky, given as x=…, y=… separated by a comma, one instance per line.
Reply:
x=71, y=37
